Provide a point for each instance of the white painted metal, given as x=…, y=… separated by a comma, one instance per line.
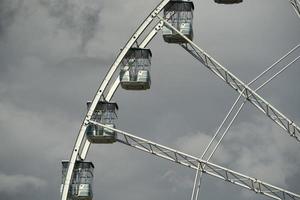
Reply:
x=81, y=146
x=211, y=169
x=262, y=85
x=288, y=125
x=194, y=191
x=296, y=6
x=114, y=87
x=199, y=178
x=284, y=122
x=80, y=141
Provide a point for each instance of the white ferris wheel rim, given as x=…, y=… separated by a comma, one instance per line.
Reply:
x=82, y=145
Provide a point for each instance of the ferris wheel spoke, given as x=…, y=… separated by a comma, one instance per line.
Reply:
x=196, y=187
x=288, y=125
x=296, y=6
x=237, y=85
x=239, y=109
x=82, y=145
x=199, y=178
x=261, y=86
x=209, y=168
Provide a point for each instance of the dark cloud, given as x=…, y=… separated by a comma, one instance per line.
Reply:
x=76, y=17
x=8, y=11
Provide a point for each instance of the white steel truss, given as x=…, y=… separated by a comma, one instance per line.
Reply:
x=270, y=111
x=81, y=144
x=284, y=122
x=196, y=187
x=296, y=6
x=86, y=145
x=209, y=168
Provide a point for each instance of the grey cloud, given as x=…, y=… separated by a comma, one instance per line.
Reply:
x=76, y=17
x=264, y=150
x=177, y=180
x=19, y=183
x=257, y=149
x=8, y=11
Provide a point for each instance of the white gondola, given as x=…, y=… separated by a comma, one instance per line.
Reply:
x=180, y=15
x=228, y=1
x=104, y=113
x=81, y=185
x=135, y=69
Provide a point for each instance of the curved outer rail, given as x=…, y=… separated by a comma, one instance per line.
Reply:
x=280, y=119
x=79, y=144
x=83, y=152
x=209, y=168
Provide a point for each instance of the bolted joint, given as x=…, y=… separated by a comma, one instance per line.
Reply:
x=86, y=122
x=154, y=13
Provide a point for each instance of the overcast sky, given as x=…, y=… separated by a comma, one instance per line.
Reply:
x=55, y=53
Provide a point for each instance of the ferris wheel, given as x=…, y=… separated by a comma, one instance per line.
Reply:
x=131, y=71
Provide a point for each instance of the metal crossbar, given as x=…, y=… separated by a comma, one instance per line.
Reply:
x=296, y=6
x=195, y=197
x=208, y=168
x=81, y=143
x=284, y=122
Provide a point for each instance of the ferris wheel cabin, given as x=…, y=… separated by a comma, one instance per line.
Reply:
x=82, y=180
x=135, y=69
x=228, y=1
x=104, y=113
x=180, y=15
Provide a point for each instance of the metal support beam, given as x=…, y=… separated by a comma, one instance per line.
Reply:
x=208, y=168
x=296, y=6
x=265, y=107
x=83, y=152
x=270, y=111
x=80, y=141
x=196, y=187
